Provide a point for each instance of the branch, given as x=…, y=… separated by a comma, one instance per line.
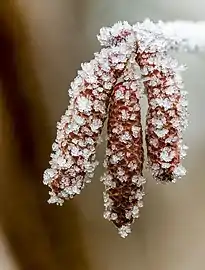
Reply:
x=192, y=34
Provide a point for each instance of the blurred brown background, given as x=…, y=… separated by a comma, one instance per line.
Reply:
x=42, y=44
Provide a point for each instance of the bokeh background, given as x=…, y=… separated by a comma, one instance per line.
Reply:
x=42, y=44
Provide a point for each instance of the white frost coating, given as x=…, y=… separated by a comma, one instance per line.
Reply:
x=185, y=35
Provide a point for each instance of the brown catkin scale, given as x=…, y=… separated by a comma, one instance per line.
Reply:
x=124, y=158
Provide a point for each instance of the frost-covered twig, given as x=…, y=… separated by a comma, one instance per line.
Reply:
x=191, y=34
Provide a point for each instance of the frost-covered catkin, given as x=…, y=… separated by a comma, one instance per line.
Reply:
x=73, y=158
x=124, y=155
x=167, y=114
x=109, y=86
